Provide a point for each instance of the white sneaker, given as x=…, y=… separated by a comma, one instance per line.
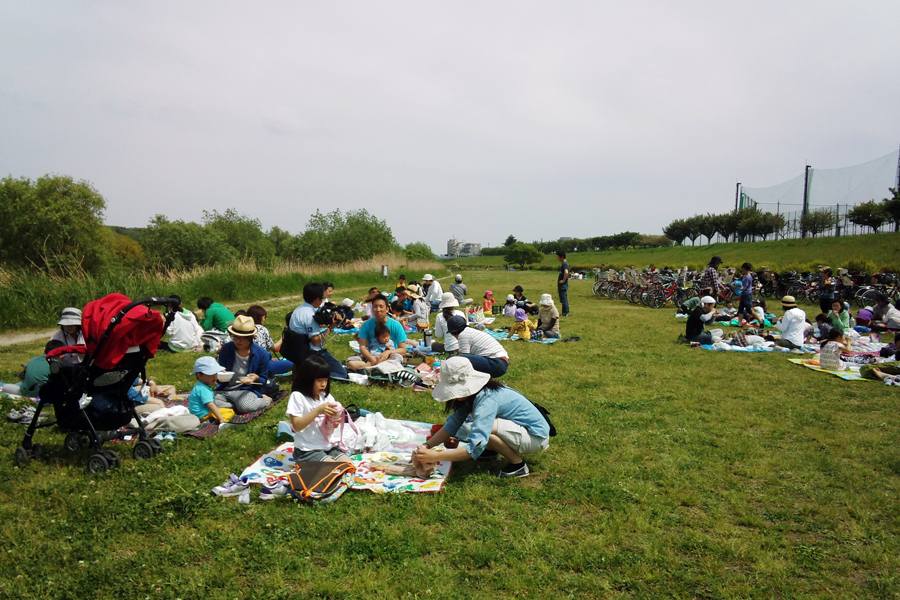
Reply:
x=279, y=489
x=235, y=486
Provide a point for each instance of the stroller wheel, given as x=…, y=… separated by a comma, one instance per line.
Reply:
x=156, y=445
x=97, y=463
x=143, y=451
x=85, y=440
x=38, y=452
x=72, y=443
x=22, y=457
x=112, y=458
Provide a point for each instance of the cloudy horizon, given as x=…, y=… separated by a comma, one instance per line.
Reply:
x=452, y=120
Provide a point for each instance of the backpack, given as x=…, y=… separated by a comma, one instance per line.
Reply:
x=321, y=482
x=546, y=414
x=214, y=339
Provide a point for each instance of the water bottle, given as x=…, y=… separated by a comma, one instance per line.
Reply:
x=427, y=338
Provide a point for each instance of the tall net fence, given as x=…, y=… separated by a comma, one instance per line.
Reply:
x=833, y=190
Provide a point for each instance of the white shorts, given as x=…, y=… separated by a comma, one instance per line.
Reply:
x=519, y=439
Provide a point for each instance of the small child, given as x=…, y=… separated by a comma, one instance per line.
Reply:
x=381, y=348
x=824, y=326
x=201, y=402
x=830, y=354
x=313, y=412
x=523, y=326
x=726, y=314
x=509, y=309
x=488, y=302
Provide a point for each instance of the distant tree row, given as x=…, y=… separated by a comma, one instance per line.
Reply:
x=875, y=214
x=619, y=241
x=56, y=223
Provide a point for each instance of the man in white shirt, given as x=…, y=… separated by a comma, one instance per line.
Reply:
x=792, y=325
x=484, y=352
x=433, y=291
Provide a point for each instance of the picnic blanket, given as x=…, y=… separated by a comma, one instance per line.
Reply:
x=346, y=331
x=845, y=375
x=280, y=461
x=722, y=347
x=211, y=427
x=501, y=336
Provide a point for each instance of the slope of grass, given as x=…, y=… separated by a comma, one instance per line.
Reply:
x=879, y=252
x=677, y=472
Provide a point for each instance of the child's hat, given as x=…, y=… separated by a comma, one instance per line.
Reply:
x=488, y=293
x=70, y=316
x=510, y=298
x=207, y=365
x=520, y=314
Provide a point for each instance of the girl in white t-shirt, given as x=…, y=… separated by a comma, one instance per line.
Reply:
x=830, y=353
x=314, y=413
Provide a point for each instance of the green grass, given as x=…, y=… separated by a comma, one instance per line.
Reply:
x=677, y=472
x=881, y=252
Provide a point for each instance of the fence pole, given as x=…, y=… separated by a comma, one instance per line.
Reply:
x=805, y=200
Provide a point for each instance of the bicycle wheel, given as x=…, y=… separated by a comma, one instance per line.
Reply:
x=595, y=289
x=797, y=291
x=869, y=297
x=656, y=299
x=768, y=290
x=812, y=295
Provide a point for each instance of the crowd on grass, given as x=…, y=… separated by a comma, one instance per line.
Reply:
x=236, y=376
x=833, y=331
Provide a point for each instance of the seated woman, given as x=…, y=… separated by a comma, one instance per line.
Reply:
x=839, y=316
x=421, y=310
x=69, y=334
x=548, y=317
x=448, y=306
x=504, y=420
x=250, y=365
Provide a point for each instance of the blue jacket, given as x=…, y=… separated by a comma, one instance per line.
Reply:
x=259, y=364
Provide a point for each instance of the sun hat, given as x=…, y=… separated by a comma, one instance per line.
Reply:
x=456, y=324
x=347, y=302
x=707, y=300
x=448, y=299
x=207, y=365
x=243, y=326
x=70, y=316
x=510, y=298
x=518, y=288
x=413, y=290
x=459, y=277
x=428, y=277
x=488, y=293
x=788, y=302
x=458, y=380
x=546, y=300
x=520, y=314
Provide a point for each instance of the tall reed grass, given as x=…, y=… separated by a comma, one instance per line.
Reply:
x=33, y=298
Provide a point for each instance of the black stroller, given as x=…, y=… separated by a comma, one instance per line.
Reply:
x=90, y=398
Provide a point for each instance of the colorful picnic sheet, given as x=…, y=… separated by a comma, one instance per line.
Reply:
x=721, y=347
x=346, y=331
x=845, y=375
x=501, y=336
x=211, y=427
x=277, y=463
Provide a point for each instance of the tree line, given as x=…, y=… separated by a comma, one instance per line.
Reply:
x=55, y=223
x=751, y=223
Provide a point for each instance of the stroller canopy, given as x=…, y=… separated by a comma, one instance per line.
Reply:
x=140, y=326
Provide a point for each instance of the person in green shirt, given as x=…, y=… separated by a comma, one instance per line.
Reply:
x=216, y=316
x=36, y=373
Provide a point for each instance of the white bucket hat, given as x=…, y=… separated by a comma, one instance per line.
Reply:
x=458, y=380
x=510, y=298
x=428, y=277
x=448, y=299
x=347, y=302
x=707, y=300
x=459, y=278
x=70, y=316
x=546, y=300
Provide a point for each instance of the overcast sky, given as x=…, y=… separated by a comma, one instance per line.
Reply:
x=472, y=120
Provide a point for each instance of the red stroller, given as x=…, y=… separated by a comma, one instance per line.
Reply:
x=90, y=399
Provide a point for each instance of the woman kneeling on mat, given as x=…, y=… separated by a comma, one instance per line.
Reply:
x=504, y=420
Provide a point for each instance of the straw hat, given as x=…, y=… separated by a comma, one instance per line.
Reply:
x=243, y=326
x=448, y=299
x=788, y=302
x=412, y=290
x=458, y=380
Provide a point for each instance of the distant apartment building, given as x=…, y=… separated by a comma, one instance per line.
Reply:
x=462, y=248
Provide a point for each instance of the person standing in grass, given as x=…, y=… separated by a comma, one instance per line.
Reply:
x=562, y=283
x=745, y=308
x=826, y=289
x=215, y=315
x=503, y=420
x=710, y=284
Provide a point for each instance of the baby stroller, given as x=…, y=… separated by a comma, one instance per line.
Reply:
x=90, y=399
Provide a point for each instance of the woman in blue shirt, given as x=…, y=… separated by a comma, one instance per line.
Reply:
x=250, y=365
x=503, y=420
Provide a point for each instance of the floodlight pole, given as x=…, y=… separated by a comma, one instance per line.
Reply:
x=737, y=194
x=805, y=199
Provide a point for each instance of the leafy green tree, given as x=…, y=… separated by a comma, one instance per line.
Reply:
x=523, y=254
x=419, y=251
x=499, y=251
x=242, y=233
x=183, y=245
x=127, y=254
x=708, y=226
x=892, y=207
x=692, y=228
x=868, y=214
x=341, y=238
x=510, y=241
x=676, y=231
x=817, y=221
x=281, y=241
x=52, y=220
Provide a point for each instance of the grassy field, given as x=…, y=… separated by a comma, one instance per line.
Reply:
x=874, y=253
x=677, y=473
